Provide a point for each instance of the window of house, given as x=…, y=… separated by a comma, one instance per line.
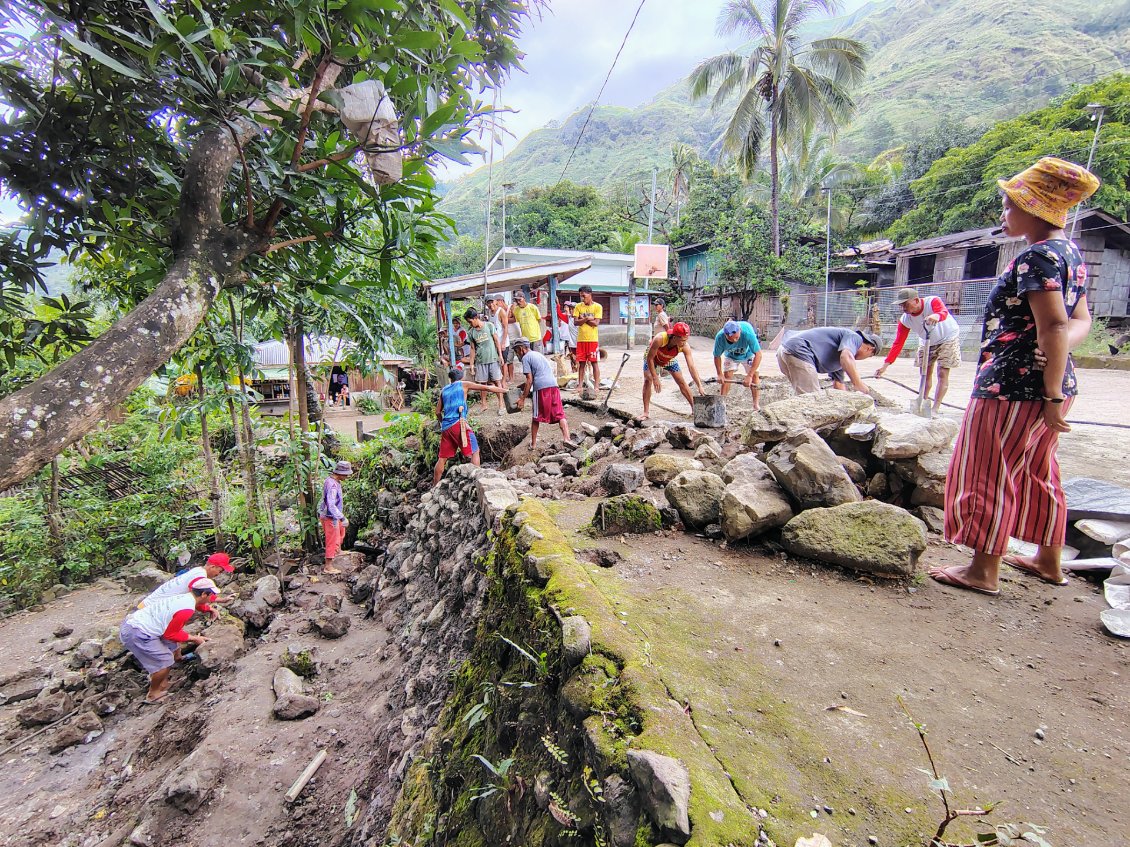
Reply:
x=920, y=269
x=981, y=262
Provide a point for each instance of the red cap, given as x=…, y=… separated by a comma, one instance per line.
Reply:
x=680, y=328
x=221, y=561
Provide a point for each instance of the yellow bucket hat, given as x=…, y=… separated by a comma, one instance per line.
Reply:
x=1049, y=188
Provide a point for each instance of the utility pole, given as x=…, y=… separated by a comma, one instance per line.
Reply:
x=827, y=254
x=507, y=187
x=1097, y=110
x=651, y=212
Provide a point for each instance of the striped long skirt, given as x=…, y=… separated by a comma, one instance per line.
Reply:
x=1003, y=479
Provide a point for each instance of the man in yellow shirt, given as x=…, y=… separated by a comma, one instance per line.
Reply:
x=528, y=318
x=587, y=315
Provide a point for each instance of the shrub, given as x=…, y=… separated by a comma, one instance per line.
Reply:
x=367, y=402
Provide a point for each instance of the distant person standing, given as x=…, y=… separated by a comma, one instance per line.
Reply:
x=826, y=350
x=331, y=511
x=499, y=316
x=528, y=317
x=930, y=320
x=662, y=319
x=486, y=355
x=587, y=315
x=736, y=345
x=456, y=435
x=155, y=634
x=541, y=385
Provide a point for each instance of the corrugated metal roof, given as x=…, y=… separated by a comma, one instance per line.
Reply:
x=505, y=279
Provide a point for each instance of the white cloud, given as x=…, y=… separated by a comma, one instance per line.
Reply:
x=568, y=53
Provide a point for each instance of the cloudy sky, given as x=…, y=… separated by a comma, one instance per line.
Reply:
x=569, y=50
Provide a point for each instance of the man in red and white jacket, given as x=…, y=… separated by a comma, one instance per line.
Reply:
x=155, y=634
x=927, y=317
x=185, y=580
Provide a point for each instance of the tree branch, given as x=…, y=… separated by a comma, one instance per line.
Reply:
x=246, y=178
x=282, y=245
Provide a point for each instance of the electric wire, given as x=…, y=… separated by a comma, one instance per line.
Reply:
x=592, y=108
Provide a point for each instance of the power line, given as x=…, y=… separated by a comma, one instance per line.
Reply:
x=607, y=76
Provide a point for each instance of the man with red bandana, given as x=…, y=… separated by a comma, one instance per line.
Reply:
x=663, y=354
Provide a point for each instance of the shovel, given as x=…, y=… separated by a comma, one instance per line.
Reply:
x=604, y=406
x=922, y=406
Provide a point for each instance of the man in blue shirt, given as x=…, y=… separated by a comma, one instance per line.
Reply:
x=455, y=434
x=736, y=344
x=826, y=350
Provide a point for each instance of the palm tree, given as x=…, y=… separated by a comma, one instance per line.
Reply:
x=785, y=81
x=683, y=157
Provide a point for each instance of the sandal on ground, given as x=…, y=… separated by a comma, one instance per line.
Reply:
x=331, y=570
x=946, y=577
x=1017, y=562
x=157, y=702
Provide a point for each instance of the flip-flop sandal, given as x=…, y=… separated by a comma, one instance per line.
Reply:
x=944, y=576
x=157, y=702
x=1024, y=567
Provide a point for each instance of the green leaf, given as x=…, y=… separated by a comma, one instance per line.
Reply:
x=418, y=40
x=333, y=97
x=98, y=56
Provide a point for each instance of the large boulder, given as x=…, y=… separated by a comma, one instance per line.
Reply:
x=685, y=436
x=698, y=497
x=822, y=411
x=807, y=468
x=626, y=513
x=256, y=610
x=194, y=779
x=146, y=578
x=641, y=442
x=661, y=468
x=291, y=700
x=619, y=478
x=745, y=467
x=750, y=508
x=225, y=644
x=905, y=436
x=871, y=536
x=664, y=786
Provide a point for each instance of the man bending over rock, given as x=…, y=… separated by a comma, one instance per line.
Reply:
x=826, y=350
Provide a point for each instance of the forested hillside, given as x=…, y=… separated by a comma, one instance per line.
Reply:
x=972, y=60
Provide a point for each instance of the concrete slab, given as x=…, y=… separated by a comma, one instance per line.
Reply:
x=1093, y=498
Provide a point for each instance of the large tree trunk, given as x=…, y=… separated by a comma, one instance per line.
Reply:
x=210, y=468
x=40, y=421
x=774, y=181
x=310, y=540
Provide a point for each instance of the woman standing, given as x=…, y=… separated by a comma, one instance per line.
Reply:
x=1003, y=479
x=332, y=512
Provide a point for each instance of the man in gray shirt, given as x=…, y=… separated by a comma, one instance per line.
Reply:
x=826, y=350
x=541, y=385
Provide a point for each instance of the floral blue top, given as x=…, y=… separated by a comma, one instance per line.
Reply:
x=1008, y=341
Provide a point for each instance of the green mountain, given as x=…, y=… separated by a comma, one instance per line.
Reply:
x=620, y=146
x=975, y=60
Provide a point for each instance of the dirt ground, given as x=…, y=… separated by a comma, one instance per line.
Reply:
x=765, y=644
x=1024, y=696
x=92, y=794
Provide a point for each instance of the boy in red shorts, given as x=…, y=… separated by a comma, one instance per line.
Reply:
x=587, y=315
x=456, y=436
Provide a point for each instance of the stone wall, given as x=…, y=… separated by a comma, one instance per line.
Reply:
x=428, y=589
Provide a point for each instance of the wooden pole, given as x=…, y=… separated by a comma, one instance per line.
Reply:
x=450, y=329
x=552, y=316
x=305, y=776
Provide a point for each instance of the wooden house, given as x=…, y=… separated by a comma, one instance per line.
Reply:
x=952, y=262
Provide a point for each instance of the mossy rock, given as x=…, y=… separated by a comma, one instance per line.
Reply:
x=626, y=513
